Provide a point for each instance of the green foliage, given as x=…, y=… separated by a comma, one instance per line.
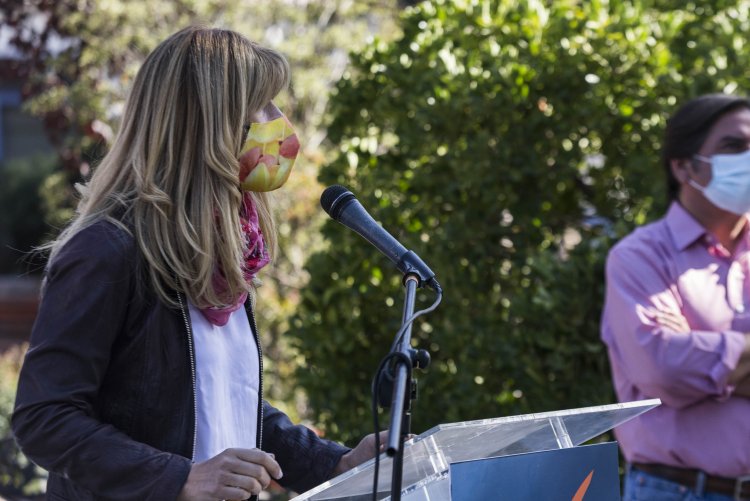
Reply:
x=18, y=476
x=22, y=222
x=500, y=140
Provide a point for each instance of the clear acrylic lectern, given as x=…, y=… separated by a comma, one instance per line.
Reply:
x=427, y=457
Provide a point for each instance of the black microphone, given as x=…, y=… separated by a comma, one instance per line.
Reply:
x=343, y=206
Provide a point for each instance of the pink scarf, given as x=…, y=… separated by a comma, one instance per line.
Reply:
x=255, y=256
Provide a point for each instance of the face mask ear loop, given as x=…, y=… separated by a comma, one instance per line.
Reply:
x=690, y=180
x=696, y=185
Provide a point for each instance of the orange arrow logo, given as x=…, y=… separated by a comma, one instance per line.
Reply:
x=583, y=488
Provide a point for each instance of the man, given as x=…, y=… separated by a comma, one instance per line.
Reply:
x=677, y=315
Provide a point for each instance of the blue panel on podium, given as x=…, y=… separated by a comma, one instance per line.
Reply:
x=573, y=474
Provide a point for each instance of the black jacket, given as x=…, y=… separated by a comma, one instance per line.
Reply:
x=106, y=395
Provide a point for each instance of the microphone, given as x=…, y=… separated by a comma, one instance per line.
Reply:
x=343, y=206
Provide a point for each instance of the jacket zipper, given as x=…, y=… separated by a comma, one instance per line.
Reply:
x=192, y=373
x=259, y=439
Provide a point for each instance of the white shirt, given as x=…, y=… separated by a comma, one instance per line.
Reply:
x=227, y=384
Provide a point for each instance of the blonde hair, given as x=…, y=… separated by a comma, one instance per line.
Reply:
x=173, y=173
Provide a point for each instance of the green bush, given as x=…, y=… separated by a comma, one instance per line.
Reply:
x=22, y=212
x=18, y=476
x=508, y=143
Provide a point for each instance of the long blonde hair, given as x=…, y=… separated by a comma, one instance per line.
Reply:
x=173, y=171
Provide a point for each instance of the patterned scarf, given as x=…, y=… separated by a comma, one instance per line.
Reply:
x=255, y=257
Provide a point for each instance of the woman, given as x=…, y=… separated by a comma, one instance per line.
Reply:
x=144, y=378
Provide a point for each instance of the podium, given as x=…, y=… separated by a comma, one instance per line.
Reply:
x=428, y=458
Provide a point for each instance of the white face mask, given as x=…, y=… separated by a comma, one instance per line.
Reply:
x=729, y=188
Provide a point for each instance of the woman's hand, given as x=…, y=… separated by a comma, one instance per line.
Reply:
x=365, y=450
x=233, y=474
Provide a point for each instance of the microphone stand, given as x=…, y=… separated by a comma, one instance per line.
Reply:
x=404, y=391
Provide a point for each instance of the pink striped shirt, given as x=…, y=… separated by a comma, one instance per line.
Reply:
x=674, y=265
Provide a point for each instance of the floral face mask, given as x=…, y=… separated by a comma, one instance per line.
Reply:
x=268, y=155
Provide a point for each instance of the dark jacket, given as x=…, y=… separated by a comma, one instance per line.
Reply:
x=106, y=395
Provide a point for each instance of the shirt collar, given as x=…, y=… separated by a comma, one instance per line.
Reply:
x=684, y=228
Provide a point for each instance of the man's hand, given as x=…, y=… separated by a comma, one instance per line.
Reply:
x=673, y=321
x=365, y=450
x=233, y=474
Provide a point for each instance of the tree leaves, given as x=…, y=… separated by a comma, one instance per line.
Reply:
x=508, y=144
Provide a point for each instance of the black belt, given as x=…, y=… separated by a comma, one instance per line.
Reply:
x=737, y=487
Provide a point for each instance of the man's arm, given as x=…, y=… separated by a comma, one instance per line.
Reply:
x=650, y=339
x=740, y=376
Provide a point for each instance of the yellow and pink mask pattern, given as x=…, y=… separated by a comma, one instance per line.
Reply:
x=268, y=155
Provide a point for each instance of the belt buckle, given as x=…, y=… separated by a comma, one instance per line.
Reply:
x=738, y=485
